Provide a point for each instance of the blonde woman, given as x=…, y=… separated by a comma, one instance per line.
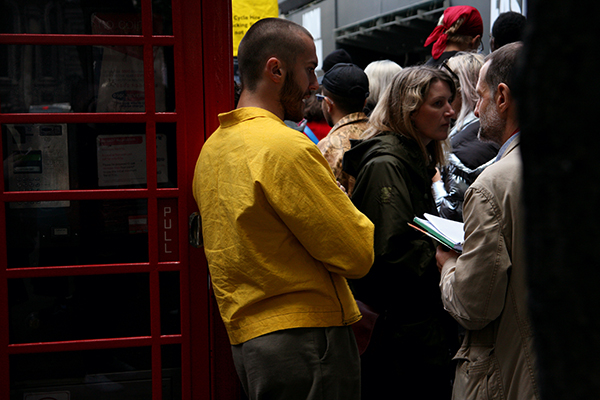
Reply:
x=409, y=349
x=469, y=156
x=464, y=68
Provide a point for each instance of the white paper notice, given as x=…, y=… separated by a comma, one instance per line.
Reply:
x=121, y=160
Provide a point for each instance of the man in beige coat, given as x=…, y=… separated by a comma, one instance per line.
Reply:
x=484, y=288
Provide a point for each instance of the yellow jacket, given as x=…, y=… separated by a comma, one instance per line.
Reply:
x=280, y=237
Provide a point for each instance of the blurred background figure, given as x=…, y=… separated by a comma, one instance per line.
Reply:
x=313, y=114
x=336, y=57
x=345, y=92
x=380, y=74
x=409, y=353
x=469, y=156
x=508, y=28
x=459, y=29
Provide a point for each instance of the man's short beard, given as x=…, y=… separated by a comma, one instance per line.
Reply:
x=290, y=98
x=491, y=126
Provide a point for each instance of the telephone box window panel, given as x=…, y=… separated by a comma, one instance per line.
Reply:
x=116, y=374
x=170, y=315
x=85, y=156
x=87, y=232
x=65, y=308
x=83, y=79
x=171, y=369
x=82, y=17
x=37, y=158
x=166, y=134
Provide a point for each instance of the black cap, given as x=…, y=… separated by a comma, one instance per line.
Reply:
x=347, y=80
x=337, y=56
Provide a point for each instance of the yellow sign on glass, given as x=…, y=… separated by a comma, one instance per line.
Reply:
x=247, y=12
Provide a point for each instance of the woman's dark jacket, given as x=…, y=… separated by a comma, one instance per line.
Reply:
x=393, y=185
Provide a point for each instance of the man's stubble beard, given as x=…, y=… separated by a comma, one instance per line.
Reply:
x=291, y=97
x=491, y=126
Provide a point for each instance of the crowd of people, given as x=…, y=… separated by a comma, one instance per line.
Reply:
x=324, y=288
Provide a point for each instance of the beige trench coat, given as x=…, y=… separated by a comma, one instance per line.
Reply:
x=485, y=289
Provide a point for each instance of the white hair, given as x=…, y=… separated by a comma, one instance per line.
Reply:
x=380, y=74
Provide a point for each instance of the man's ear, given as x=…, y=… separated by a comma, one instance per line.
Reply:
x=475, y=42
x=503, y=97
x=275, y=70
x=327, y=103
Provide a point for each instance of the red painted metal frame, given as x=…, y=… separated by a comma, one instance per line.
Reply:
x=217, y=51
x=201, y=42
x=196, y=53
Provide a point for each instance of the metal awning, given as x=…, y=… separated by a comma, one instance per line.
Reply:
x=395, y=33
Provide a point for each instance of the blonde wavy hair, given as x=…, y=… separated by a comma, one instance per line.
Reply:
x=466, y=66
x=405, y=94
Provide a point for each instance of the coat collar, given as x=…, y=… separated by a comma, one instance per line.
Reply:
x=509, y=145
x=350, y=119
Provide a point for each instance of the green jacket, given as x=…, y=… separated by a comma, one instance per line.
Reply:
x=393, y=185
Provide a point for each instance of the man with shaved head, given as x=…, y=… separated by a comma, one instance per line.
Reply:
x=280, y=236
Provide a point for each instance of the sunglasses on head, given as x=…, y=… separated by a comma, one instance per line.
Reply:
x=445, y=65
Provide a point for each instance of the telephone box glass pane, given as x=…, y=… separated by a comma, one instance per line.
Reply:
x=71, y=17
x=53, y=309
x=36, y=157
x=85, y=156
x=166, y=155
x=164, y=79
x=68, y=232
x=116, y=374
x=162, y=15
x=170, y=315
x=82, y=17
x=171, y=371
x=48, y=78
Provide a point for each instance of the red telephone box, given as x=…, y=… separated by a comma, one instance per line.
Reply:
x=104, y=106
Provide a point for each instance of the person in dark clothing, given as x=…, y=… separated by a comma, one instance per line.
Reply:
x=508, y=28
x=468, y=148
x=469, y=155
x=409, y=352
x=336, y=57
x=459, y=29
